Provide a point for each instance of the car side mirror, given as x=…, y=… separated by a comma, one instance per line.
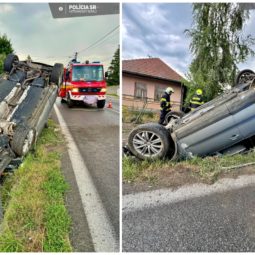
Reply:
x=67, y=76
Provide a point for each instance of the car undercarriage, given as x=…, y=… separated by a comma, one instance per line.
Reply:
x=28, y=91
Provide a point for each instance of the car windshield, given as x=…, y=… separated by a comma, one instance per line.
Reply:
x=87, y=73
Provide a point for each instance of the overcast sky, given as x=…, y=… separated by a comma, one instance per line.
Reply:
x=33, y=31
x=157, y=30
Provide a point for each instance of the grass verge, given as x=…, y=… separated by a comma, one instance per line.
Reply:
x=35, y=217
x=165, y=172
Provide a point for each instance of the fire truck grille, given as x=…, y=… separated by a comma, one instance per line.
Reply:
x=85, y=90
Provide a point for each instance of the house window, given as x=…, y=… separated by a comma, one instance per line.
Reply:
x=159, y=91
x=140, y=90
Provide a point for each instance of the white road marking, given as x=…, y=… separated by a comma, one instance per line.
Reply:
x=142, y=200
x=101, y=229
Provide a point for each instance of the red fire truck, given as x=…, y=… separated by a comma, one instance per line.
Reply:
x=83, y=82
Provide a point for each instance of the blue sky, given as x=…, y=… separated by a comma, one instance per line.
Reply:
x=157, y=30
x=33, y=31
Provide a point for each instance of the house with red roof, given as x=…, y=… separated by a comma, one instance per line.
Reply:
x=145, y=80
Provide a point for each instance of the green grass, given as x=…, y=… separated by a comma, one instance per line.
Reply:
x=35, y=217
x=130, y=115
x=207, y=169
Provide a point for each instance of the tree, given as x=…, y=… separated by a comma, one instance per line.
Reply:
x=217, y=45
x=114, y=69
x=5, y=49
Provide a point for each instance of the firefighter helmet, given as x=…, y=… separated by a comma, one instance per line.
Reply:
x=199, y=92
x=169, y=90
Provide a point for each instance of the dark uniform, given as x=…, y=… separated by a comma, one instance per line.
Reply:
x=165, y=107
x=196, y=101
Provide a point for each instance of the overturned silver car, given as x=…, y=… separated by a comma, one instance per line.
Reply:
x=28, y=91
x=225, y=125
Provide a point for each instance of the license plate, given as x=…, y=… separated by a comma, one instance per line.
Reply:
x=90, y=99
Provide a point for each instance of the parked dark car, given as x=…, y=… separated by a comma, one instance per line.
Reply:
x=28, y=91
x=223, y=125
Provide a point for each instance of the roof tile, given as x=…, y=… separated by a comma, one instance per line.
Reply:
x=153, y=67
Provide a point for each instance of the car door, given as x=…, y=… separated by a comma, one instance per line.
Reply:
x=213, y=131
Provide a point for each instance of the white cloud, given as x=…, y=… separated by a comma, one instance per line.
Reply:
x=34, y=31
x=6, y=8
x=153, y=30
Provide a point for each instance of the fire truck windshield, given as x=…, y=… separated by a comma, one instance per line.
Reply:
x=87, y=73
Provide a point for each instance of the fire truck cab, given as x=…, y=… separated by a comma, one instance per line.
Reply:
x=83, y=82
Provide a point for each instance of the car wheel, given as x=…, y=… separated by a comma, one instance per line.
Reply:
x=244, y=76
x=69, y=101
x=57, y=74
x=23, y=140
x=62, y=101
x=9, y=61
x=173, y=116
x=149, y=141
x=100, y=103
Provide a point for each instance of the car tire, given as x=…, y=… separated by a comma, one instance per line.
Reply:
x=173, y=116
x=9, y=61
x=149, y=141
x=57, y=74
x=69, y=101
x=62, y=101
x=100, y=103
x=244, y=76
x=23, y=140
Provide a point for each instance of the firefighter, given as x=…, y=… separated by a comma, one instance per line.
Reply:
x=165, y=105
x=196, y=100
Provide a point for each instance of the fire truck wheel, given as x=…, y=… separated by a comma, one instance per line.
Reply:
x=69, y=101
x=57, y=74
x=100, y=103
x=9, y=61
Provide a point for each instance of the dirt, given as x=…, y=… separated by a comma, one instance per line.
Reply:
x=126, y=128
x=161, y=178
x=177, y=177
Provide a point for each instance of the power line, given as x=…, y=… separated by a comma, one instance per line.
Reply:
x=99, y=40
x=100, y=43
x=96, y=43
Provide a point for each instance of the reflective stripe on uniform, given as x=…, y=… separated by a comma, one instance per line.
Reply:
x=196, y=102
x=196, y=98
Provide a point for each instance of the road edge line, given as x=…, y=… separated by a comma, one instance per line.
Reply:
x=154, y=198
x=101, y=229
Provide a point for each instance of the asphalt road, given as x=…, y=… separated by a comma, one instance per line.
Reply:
x=96, y=135
x=220, y=221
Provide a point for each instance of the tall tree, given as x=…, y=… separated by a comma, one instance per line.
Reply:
x=5, y=49
x=217, y=45
x=114, y=69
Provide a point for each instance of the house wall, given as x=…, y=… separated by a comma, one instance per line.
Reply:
x=128, y=90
